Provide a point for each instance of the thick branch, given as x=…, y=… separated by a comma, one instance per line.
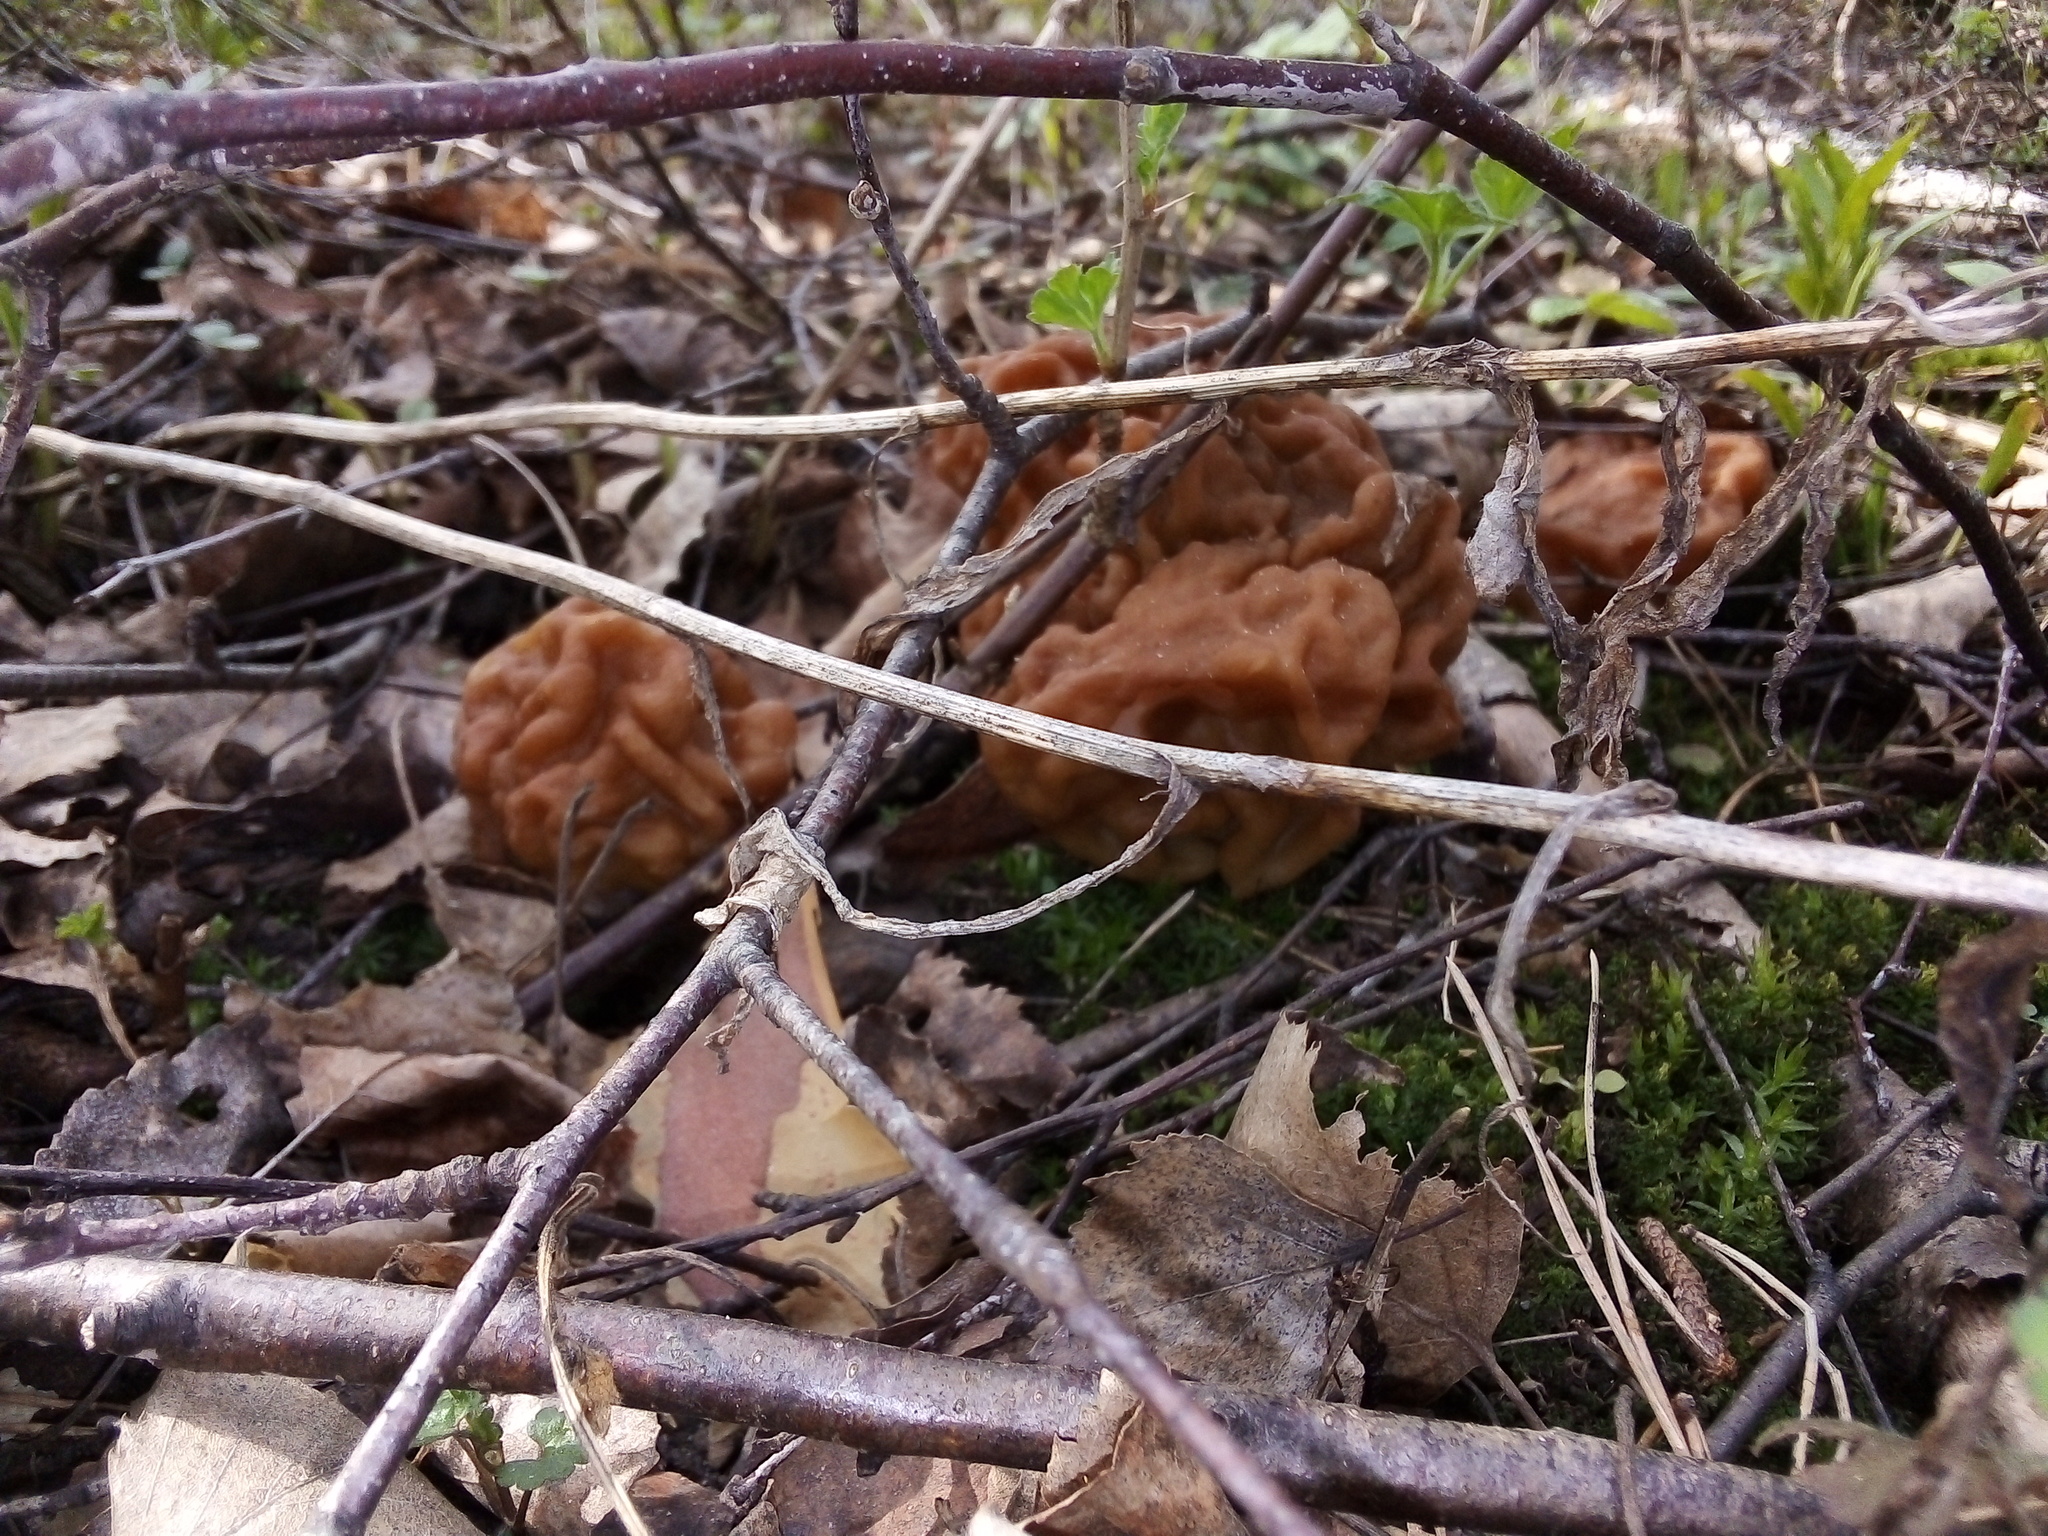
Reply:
x=68, y=139
x=1386, y=1465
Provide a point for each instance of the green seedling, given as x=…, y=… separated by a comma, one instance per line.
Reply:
x=1830, y=203
x=172, y=258
x=1156, y=127
x=1079, y=298
x=220, y=336
x=2019, y=426
x=1452, y=229
x=1641, y=310
x=467, y=1418
x=88, y=924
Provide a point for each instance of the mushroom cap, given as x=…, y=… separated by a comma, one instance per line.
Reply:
x=588, y=695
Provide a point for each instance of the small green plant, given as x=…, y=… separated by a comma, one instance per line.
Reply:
x=1830, y=204
x=1642, y=310
x=1452, y=229
x=466, y=1417
x=88, y=924
x=1078, y=298
x=220, y=336
x=1083, y=298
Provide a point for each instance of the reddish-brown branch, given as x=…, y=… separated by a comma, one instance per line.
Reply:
x=69, y=139
x=902, y=1402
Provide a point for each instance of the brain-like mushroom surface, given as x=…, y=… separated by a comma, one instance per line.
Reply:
x=1286, y=593
x=591, y=696
x=1603, y=505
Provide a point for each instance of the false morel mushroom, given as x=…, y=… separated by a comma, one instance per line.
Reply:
x=591, y=696
x=1603, y=507
x=1286, y=593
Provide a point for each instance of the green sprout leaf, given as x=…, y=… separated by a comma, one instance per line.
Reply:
x=1077, y=298
x=559, y=1453
x=223, y=337
x=1548, y=309
x=88, y=923
x=1607, y=1080
x=2029, y=1324
x=1976, y=274
x=173, y=257
x=2019, y=426
x=1156, y=128
x=1506, y=195
x=459, y=1411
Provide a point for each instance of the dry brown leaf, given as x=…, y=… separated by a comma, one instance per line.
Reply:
x=1452, y=1278
x=1143, y=1484
x=455, y=1007
x=38, y=852
x=37, y=745
x=251, y=1455
x=1220, y=1266
x=392, y=1112
x=212, y=1108
x=819, y=1492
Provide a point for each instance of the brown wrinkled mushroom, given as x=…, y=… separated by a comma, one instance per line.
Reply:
x=588, y=695
x=1603, y=505
x=1287, y=593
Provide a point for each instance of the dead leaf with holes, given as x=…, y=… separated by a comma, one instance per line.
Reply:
x=212, y=1108
x=821, y=1491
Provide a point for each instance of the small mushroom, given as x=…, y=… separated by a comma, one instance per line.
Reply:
x=1603, y=506
x=590, y=696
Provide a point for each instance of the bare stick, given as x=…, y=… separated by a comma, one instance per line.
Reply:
x=1027, y=1252
x=1393, y=1466
x=1820, y=339
x=1880, y=870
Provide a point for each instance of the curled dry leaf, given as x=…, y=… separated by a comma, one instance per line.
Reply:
x=252, y=1455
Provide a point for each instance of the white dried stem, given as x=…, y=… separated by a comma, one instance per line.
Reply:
x=1783, y=341
x=1913, y=877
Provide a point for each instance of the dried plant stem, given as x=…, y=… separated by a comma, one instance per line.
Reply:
x=1879, y=870
x=1641, y=1367
x=1818, y=339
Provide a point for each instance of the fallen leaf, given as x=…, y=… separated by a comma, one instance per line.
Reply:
x=252, y=1455
x=37, y=745
x=819, y=1491
x=1125, y=1474
x=455, y=1007
x=1452, y=1277
x=392, y=1111
x=19, y=847
x=652, y=556
x=1938, y=610
x=212, y=1108
x=772, y=1120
